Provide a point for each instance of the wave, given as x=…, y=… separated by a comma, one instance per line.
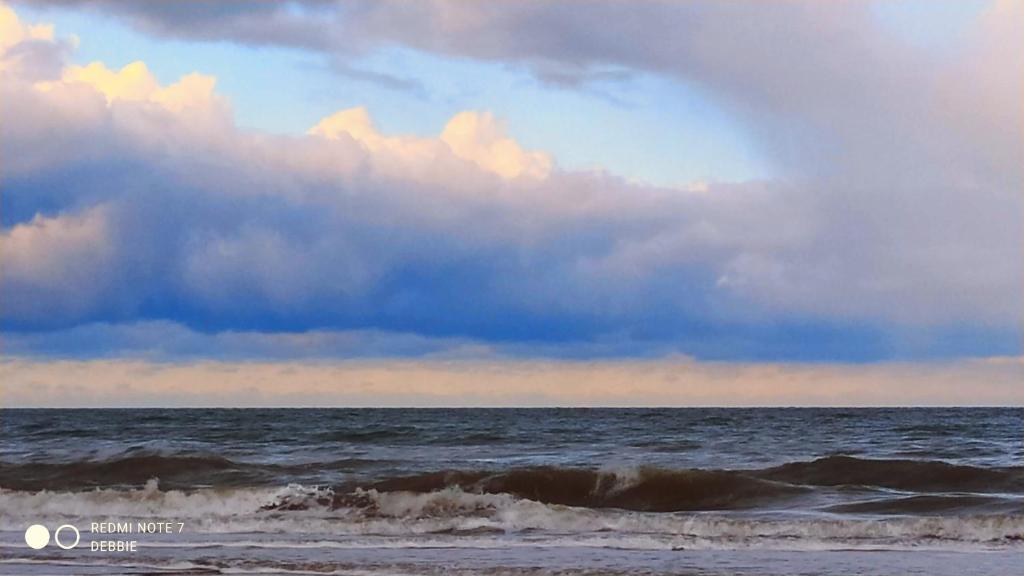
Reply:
x=922, y=505
x=646, y=489
x=650, y=489
x=126, y=470
x=369, y=436
x=463, y=518
x=643, y=489
x=133, y=470
x=184, y=471
x=912, y=475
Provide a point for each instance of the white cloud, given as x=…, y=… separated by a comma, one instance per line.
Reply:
x=901, y=210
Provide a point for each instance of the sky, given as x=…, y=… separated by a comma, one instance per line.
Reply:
x=771, y=202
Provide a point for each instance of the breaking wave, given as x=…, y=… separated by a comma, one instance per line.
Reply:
x=474, y=519
x=837, y=501
x=641, y=489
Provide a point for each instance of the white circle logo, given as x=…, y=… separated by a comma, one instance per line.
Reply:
x=56, y=536
x=37, y=536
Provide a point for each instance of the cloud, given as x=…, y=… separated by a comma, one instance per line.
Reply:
x=135, y=83
x=250, y=21
x=164, y=341
x=478, y=137
x=13, y=31
x=43, y=257
x=474, y=136
x=381, y=79
x=899, y=212
x=674, y=382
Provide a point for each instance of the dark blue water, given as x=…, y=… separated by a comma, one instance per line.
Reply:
x=394, y=441
x=312, y=490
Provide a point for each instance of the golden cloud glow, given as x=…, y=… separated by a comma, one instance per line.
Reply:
x=13, y=31
x=355, y=122
x=135, y=83
x=476, y=137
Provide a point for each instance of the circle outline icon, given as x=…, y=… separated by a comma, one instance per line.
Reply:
x=37, y=536
x=56, y=534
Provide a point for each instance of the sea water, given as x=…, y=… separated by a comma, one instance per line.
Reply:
x=507, y=491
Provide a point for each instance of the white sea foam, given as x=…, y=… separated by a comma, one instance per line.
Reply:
x=452, y=517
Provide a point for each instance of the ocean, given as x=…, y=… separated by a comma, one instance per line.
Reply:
x=514, y=491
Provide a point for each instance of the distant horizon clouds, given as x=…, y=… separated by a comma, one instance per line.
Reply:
x=666, y=382
x=859, y=199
